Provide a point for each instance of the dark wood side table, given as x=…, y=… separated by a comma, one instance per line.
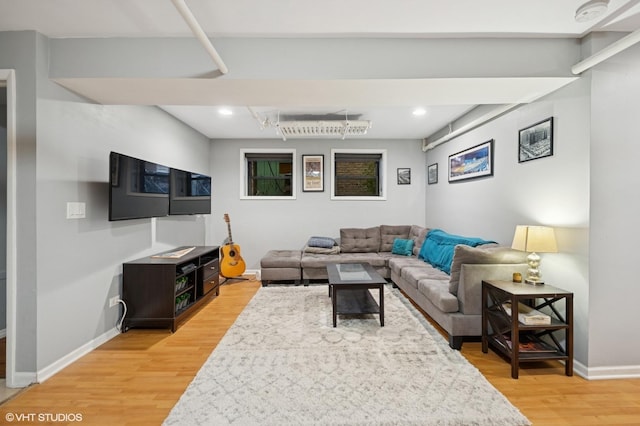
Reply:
x=521, y=342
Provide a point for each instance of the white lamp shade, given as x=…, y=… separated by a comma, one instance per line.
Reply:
x=539, y=239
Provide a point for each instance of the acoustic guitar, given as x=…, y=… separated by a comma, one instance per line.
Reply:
x=231, y=263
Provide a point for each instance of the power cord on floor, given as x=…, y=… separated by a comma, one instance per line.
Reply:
x=124, y=313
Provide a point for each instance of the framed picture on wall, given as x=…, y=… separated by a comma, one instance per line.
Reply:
x=404, y=176
x=536, y=141
x=313, y=173
x=472, y=163
x=432, y=174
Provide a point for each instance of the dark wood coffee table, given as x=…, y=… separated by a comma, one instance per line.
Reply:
x=349, y=285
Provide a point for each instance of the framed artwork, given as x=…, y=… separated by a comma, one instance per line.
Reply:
x=536, y=141
x=404, y=176
x=313, y=173
x=432, y=174
x=472, y=163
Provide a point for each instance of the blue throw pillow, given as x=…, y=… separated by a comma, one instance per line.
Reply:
x=402, y=247
x=438, y=248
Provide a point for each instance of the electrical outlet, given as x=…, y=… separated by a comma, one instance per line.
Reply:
x=113, y=301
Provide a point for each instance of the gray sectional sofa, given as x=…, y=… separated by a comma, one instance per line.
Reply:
x=441, y=273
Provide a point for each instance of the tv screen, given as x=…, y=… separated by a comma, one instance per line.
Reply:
x=190, y=193
x=137, y=188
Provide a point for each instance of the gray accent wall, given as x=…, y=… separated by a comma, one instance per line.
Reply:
x=262, y=225
x=614, y=342
x=588, y=191
x=551, y=191
x=68, y=269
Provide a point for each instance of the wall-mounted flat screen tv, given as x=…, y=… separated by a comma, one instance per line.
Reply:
x=137, y=188
x=190, y=193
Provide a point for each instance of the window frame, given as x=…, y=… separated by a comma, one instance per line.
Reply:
x=382, y=174
x=244, y=175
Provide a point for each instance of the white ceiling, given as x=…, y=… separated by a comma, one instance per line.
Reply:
x=391, y=115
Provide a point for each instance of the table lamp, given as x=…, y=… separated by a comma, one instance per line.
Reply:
x=534, y=239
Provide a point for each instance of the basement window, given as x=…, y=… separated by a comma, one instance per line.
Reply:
x=268, y=174
x=358, y=174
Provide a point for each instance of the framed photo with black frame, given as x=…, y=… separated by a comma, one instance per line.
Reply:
x=404, y=176
x=313, y=173
x=472, y=163
x=536, y=141
x=432, y=174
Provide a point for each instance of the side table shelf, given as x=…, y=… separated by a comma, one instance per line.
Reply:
x=539, y=342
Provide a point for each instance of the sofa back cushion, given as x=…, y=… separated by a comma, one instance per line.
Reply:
x=489, y=254
x=417, y=234
x=389, y=233
x=360, y=240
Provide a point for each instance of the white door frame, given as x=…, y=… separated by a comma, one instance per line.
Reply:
x=8, y=80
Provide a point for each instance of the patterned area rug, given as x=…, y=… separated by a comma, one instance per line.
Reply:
x=282, y=363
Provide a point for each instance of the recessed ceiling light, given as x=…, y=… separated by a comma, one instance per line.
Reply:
x=591, y=10
x=225, y=111
x=419, y=111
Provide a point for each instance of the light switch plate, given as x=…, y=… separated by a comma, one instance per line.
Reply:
x=76, y=210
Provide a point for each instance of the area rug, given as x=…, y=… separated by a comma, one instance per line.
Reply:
x=283, y=363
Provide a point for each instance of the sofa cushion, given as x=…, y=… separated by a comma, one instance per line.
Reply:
x=397, y=263
x=389, y=233
x=417, y=234
x=360, y=240
x=402, y=247
x=486, y=254
x=413, y=274
x=437, y=291
x=438, y=248
x=281, y=259
x=313, y=260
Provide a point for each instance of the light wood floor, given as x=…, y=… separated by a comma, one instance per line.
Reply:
x=137, y=377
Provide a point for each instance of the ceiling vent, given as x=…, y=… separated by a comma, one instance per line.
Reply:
x=323, y=128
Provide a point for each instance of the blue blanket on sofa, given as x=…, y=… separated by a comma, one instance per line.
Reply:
x=438, y=248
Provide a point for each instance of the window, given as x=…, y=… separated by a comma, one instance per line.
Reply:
x=358, y=174
x=268, y=174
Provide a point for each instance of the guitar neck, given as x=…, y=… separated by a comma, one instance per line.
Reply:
x=229, y=230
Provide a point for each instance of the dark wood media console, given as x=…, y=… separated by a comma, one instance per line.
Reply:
x=160, y=292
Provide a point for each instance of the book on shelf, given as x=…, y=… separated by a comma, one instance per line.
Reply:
x=529, y=344
x=174, y=254
x=527, y=315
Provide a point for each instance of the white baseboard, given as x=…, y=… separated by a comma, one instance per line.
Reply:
x=70, y=358
x=255, y=272
x=22, y=380
x=3, y=333
x=613, y=372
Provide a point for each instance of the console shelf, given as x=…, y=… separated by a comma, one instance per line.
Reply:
x=160, y=292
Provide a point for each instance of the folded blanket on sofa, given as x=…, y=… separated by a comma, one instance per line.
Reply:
x=321, y=250
x=438, y=248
